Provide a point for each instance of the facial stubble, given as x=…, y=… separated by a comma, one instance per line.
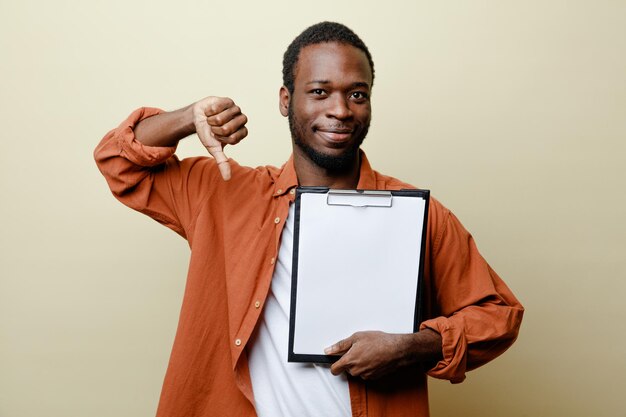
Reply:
x=335, y=164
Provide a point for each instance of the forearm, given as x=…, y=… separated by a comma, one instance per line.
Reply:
x=166, y=129
x=422, y=347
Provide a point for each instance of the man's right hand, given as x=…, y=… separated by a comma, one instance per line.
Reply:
x=219, y=122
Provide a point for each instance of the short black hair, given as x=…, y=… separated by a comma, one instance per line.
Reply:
x=323, y=32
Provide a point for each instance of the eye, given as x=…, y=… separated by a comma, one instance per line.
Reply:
x=318, y=92
x=359, y=95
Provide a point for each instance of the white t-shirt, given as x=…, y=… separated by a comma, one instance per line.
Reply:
x=284, y=388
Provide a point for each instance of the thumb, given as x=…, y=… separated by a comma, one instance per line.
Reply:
x=210, y=142
x=214, y=147
x=340, y=347
x=222, y=161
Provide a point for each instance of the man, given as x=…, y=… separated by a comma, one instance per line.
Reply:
x=229, y=356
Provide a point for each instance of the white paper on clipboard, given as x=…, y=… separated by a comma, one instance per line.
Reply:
x=357, y=263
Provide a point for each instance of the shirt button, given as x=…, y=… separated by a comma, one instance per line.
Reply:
x=257, y=304
x=279, y=191
x=277, y=220
x=237, y=342
x=292, y=191
x=272, y=261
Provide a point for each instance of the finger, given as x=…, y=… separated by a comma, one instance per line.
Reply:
x=224, y=116
x=340, y=347
x=340, y=366
x=215, y=105
x=367, y=376
x=232, y=139
x=229, y=127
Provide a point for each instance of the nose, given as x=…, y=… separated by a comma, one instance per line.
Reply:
x=338, y=107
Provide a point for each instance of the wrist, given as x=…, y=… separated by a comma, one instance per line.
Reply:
x=187, y=122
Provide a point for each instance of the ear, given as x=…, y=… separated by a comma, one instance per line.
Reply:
x=283, y=101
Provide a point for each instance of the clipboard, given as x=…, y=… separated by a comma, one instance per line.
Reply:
x=358, y=260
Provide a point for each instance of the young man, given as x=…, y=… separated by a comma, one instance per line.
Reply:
x=230, y=352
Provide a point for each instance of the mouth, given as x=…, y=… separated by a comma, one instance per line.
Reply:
x=335, y=136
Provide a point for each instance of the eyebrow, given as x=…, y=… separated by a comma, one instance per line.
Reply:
x=355, y=84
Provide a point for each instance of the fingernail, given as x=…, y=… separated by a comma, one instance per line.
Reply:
x=328, y=350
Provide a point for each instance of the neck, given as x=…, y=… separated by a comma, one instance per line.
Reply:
x=311, y=175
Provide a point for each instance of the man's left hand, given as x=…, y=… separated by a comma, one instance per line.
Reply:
x=373, y=354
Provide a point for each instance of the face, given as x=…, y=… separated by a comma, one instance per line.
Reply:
x=329, y=110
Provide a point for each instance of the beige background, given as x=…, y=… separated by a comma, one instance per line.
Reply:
x=512, y=113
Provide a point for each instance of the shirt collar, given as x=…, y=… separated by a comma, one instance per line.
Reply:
x=367, y=177
x=287, y=179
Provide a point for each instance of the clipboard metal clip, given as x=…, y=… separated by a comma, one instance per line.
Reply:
x=359, y=198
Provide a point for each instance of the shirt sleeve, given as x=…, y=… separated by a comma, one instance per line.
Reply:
x=479, y=317
x=151, y=179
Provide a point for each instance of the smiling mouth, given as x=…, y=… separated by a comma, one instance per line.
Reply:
x=336, y=136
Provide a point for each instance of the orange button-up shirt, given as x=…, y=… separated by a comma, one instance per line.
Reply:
x=234, y=228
